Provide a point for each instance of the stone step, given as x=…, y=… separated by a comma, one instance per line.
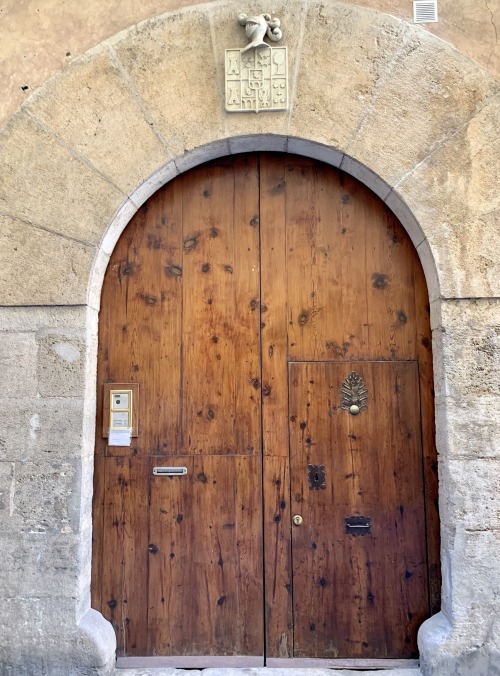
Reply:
x=265, y=671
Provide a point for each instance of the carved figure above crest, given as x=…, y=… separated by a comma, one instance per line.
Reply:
x=258, y=26
x=257, y=75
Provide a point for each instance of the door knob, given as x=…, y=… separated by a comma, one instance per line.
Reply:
x=297, y=519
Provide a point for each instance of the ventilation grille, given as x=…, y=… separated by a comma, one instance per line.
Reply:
x=425, y=11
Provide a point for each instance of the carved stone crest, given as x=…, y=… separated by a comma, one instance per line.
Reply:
x=257, y=75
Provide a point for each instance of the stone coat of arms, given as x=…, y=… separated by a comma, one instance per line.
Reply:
x=257, y=75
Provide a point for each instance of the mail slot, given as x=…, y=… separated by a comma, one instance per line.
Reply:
x=169, y=471
x=358, y=525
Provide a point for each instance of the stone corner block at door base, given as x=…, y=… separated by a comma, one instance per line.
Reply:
x=43, y=638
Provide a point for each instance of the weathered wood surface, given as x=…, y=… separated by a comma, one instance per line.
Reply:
x=180, y=559
x=223, y=278
x=358, y=595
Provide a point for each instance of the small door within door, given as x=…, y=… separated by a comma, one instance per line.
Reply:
x=359, y=551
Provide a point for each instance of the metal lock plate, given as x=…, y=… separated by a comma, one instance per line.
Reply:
x=316, y=477
x=298, y=520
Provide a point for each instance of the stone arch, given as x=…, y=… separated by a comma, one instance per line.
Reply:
x=89, y=147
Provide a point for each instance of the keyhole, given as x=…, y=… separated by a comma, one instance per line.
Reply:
x=316, y=476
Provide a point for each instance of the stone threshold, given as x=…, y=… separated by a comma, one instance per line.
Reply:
x=266, y=671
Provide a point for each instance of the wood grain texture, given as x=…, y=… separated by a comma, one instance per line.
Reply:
x=279, y=619
x=125, y=551
x=205, y=566
x=358, y=595
x=181, y=317
x=227, y=280
x=350, y=270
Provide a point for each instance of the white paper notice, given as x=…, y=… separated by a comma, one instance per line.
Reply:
x=120, y=437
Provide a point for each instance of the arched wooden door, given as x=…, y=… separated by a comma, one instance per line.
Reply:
x=274, y=315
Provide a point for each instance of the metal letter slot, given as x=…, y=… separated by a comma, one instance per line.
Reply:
x=170, y=471
x=357, y=525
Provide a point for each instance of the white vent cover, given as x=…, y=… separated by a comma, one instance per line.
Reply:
x=425, y=11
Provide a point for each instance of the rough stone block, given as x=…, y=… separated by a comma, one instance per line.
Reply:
x=422, y=99
x=44, y=184
x=470, y=495
x=454, y=195
x=176, y=78
x=61, y=362
x=476, y=571
x=40, y=497
x=47, y=637
x=47, y=619
x=42, y=429
x=18, y=355
x=334, y=101
x=31, y=319
x=96, y=113
x=39, y=564
x=469, y=338
x=7, y=489
x=469, y=427
x=40, y=267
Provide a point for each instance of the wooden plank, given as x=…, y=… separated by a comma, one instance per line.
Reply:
x=140, y=321
x=221, y=283
x=278, y=564
x=354, y=230
x=125, y=552
x=389, y=285
x=327, y=224
x=278, y=610
x=245, y=311
x=349, y=270
x=311, y=210
x=205, y=567
x=367, y=594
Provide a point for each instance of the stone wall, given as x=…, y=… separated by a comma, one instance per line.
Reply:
x=389, y=103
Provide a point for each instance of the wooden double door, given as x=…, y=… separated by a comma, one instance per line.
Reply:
x=274, y=315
